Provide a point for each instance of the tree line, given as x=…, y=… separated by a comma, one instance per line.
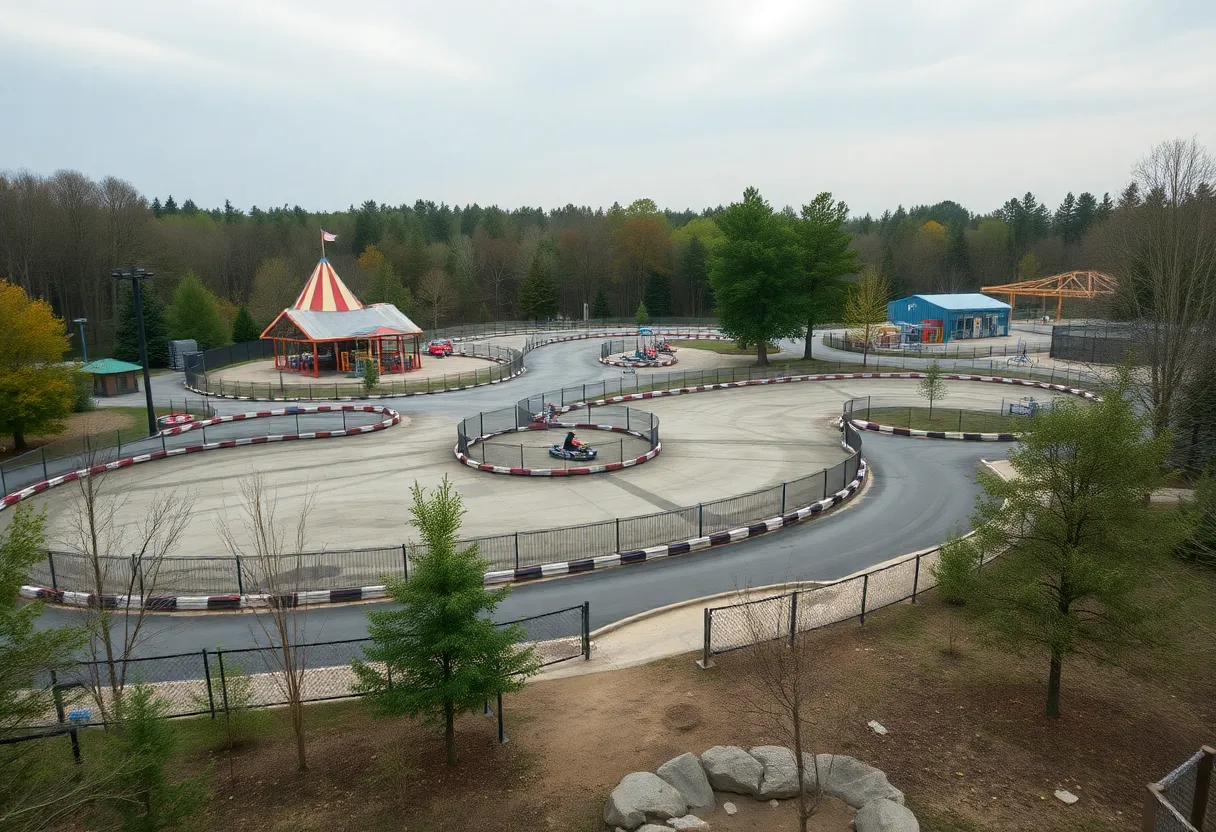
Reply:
x=61, y=235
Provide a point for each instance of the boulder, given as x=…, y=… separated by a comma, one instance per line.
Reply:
x=643, y=796
x=692, y=823
x=850, y=780
x=884, y=815
x=780, y=778
x=731, y=769
x=688, y=778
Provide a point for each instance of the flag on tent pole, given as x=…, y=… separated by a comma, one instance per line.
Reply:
x=326, y=237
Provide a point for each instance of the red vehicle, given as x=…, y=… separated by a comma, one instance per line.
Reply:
x=440, y=348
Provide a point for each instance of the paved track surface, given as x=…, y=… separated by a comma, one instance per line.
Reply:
x=922, y=492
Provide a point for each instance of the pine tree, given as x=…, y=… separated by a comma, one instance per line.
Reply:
x=643, y=315
x=439, y=647
x=694, y=269
x=601, y=309
x=189, y=208
x=126, y=335
x=538, y=292
x=958, y=255
x=658, y=295
x=195, y=314
x=243, y=327
x=170, y=205
x=157, y=210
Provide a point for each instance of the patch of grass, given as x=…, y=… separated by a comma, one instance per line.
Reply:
x=720, y=347
x=948, y=419
x=933, y=820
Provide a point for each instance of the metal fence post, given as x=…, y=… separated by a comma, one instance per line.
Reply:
x=223, y=680
x=240, y=583
x=783, y=498
x=793, y=617
x=618, y=534
x=517, y=550
x=502, y=729
x=207, y=677
x=700, y=519
x=50, y=560
x=45, y=476
x=586, y=631
x=705, y=662
x=865, y=586
x=1203, y=787
x=405, y=562
x=916, y=579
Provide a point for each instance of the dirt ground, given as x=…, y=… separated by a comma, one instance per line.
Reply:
x=968, y=742
x=93, y=422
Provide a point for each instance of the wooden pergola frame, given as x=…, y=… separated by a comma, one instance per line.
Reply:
x=1079, y=284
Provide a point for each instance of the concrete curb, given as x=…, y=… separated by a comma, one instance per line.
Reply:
x=559, y=472
x=392, y=417
x=933, y=434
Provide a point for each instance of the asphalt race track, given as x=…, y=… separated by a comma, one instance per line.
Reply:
x=922, y=492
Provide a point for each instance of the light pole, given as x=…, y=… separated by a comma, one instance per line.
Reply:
x=137, y=277
x=84, y=348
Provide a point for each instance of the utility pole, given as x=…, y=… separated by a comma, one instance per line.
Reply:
x=137, y=277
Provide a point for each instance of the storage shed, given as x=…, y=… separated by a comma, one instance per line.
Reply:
x=112, y=377
x=934, y=319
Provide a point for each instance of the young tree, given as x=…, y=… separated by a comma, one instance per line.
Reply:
x=243, y=327
x=538, y=292
x=643, y=315
x=866, y=309
x=36, y=391
x=142, y=750
x=827, y=256
x=1078, y=532
x=265, y=547
x=195, y=314
x=96, y=537
x=757, y=275
x=371, y=375
x=440, y=648
x=601, y=309
x=933, y=386
x=126, y=336
x=1028, y=266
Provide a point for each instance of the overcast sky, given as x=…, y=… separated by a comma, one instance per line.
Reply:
x=326, y=104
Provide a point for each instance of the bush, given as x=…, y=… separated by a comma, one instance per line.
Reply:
x=82, y=392
x=1200, y=516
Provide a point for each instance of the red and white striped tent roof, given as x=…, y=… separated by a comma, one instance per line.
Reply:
x=325, y=292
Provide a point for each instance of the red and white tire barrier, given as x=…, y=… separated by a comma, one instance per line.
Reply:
x=392, y=417
x=619, y=361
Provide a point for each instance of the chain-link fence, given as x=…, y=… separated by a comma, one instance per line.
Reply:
x=851, y=343
x=1183, y=800
x=1102, y=342
x=783, y=615
x=211, y=681
x=58, y=457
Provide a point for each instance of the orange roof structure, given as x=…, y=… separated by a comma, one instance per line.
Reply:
x=1078, y=284
x=325, y=292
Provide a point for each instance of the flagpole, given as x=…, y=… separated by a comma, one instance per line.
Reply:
x=322, y=243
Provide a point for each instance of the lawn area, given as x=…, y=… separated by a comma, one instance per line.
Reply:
x=968, y=742
x=949, y=419
x=720, y=347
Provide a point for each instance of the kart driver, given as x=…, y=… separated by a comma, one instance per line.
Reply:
x=572, y=444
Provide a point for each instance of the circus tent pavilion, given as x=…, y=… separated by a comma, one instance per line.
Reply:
x=328, y=329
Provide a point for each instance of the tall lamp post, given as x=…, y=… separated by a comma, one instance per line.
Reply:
x=84, y=348
x=137, y=277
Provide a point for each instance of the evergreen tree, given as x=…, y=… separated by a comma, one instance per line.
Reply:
x=195, y=314
x=694, y=269
x=1086, y=214
x=1065, y=220
x=440, y=649
x=538, y=292
x=1105, y=207
x=243, y=327
x=189, y=208
x=643, y=316
x=126, y=335
x=157, y=210
x=958, y=255
x=601, y=309
x=1130, y=198
x=658, y=295
x=368, y=228
x=890, y=272
x=170, y=205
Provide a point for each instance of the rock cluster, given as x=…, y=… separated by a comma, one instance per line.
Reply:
x=666, y=800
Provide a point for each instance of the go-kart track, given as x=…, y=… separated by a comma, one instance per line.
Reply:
x=716, y=444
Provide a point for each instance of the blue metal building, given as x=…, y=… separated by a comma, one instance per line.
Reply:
x=943, y=318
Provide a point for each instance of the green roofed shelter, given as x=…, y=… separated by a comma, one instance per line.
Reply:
x=112, y=377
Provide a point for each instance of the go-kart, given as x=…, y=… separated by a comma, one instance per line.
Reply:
x=666, y=348
x=583, y=454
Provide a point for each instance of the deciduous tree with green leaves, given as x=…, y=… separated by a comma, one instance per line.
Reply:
x=757, y=275
x=36, y=391
x=866, y=309
x=442, y=653
x=243, y=327
x=827, y=256
x=195, y=314
x=1078, y=533
x=932, y=386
